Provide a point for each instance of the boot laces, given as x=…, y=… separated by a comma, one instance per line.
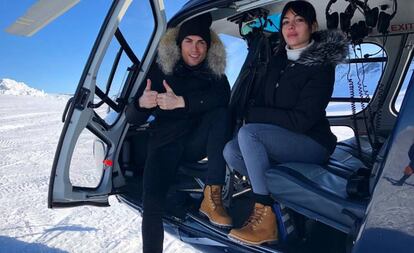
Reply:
x=216, y=197
x=256, y=217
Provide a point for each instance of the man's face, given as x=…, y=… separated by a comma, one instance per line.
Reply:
x=193, y=50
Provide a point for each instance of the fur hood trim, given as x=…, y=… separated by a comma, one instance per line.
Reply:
x=330, y=48
x=169, y=53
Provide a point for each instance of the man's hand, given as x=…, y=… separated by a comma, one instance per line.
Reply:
x=168, y=100
x=149, y=97
x=408, y=170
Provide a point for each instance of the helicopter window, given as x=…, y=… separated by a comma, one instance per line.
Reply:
x=404, y=86
x=237, y=51
x=86, y=167
x=356, y=81
x=271, y=26
x=343, y=132
x=122, y=59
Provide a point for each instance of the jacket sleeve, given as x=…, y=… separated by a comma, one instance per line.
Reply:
x=217, y=95
x=411, y=156
x=134, y=113
x=310, y=108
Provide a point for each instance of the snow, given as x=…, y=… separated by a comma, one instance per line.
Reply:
x=30, y=126
x=12, y=87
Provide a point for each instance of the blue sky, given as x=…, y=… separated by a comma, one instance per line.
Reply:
x=53, y=58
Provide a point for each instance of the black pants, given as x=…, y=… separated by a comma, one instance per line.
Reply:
x=207, y=139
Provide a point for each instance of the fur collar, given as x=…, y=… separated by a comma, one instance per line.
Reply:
x=330, y=48
x=169, y=53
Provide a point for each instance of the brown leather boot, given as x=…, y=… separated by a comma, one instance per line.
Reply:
x=212, y=207
x=261, y=227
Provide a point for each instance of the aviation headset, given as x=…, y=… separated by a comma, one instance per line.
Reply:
x=332, y=19
x=359, y=30
x=384, y=18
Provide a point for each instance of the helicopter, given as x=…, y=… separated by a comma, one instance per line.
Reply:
x=360, y=201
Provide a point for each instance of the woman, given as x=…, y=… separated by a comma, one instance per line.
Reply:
x=187, y=94
x=286, y=118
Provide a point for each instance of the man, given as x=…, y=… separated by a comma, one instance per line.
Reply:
x=409, y=170
x=187, y=93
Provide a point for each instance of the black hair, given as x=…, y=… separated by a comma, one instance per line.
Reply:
x=301, y=8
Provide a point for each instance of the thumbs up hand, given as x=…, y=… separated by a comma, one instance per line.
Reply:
x=149, y=97
x=168, y=100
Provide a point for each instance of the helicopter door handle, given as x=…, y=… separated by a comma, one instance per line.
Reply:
x=65, y=112
x=80, y=102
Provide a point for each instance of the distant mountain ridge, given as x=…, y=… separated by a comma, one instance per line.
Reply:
x=12, y=87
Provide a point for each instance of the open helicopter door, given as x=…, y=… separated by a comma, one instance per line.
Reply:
x=80, y=180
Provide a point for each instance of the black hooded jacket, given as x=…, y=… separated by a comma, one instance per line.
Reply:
x=296, y=94
x=203, y=87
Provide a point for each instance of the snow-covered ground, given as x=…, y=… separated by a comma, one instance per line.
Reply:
x=29, y=131
x=30, y=126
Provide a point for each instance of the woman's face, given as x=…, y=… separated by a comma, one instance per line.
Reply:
x=295, y=30
x=193, y=50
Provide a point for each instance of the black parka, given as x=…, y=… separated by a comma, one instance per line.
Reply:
x=295, y=95
x=203, y=87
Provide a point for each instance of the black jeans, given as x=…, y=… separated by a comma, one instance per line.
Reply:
x=207, y=139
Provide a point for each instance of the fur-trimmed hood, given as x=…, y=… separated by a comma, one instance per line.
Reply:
x=330, y=48
x=169, y=53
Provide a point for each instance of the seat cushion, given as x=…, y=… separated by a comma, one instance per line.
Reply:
x=343, y=162
x=348, y=149
x=316, y=192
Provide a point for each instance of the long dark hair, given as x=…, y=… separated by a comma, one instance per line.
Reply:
x=301, y=8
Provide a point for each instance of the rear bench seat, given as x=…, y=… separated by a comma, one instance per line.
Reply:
x=319, y=192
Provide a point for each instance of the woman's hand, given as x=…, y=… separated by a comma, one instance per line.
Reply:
x=149, y=97
x=168, y=100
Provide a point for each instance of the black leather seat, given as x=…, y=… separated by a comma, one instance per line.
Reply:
x=319, y=192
